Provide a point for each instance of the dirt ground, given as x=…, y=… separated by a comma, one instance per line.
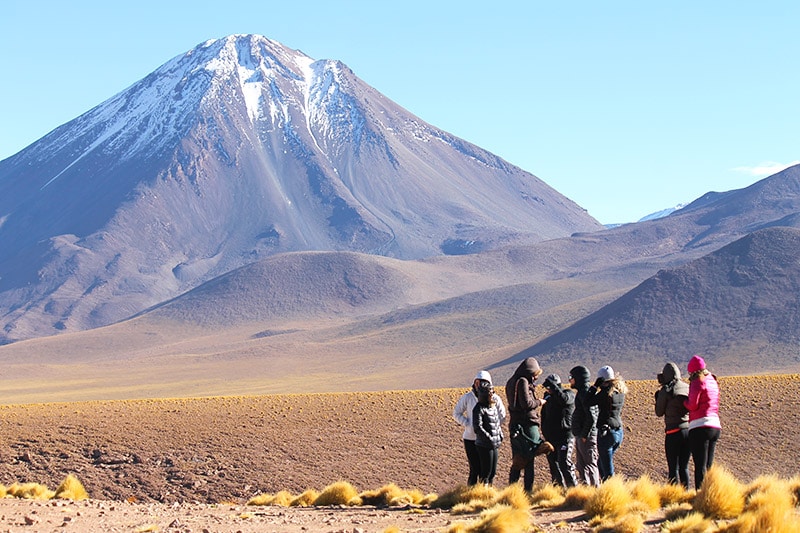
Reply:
x=190, y=465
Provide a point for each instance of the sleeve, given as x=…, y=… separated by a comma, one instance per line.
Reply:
x=460, y=413
x=692, y=402
x=501, y=409
x=477, y=426
x=661, y=401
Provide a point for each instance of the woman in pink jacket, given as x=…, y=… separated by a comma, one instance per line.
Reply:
x=704, y=426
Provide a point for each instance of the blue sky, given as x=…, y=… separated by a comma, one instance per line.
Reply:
x=624, y=107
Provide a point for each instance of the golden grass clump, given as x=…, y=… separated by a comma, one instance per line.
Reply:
x=30, y=491
x=513, y=496
x=548, y=496
x=71, y=489
x=577, y=497
x=282, y=499
x=693, y=522
x=465, y=495
x=306, y=499
x=645, y=492
x=770, y=506
x=339, y=493
x=721, y=495
x=3, y=491
x=609, y=500
x=629, y=523
x=392, y=496
x=671, y=493
x=392, y=529
x=498, y=519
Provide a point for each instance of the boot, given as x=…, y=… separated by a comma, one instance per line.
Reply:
x=543, y=448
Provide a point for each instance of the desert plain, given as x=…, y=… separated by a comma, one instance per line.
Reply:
x=191, y=464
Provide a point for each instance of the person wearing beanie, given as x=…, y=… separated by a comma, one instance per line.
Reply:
x=462, y=413
x=669, y=401
x=704, y=424
x=523, y=408
x=488, y=432
x=608, y=394
x=584, y=428
x=556, y=428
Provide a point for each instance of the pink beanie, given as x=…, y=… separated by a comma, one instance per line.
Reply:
x=695, y=363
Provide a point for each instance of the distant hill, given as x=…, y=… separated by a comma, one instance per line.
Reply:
x=739, y=307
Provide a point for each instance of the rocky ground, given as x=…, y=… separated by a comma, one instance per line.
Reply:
x=190, y=465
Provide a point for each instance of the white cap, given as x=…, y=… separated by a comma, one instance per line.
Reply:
x=606, y=372
x=484, y=375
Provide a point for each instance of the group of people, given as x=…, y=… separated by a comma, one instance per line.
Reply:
x=584, y=421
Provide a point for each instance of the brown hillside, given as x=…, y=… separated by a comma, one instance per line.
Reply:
x=739, y=307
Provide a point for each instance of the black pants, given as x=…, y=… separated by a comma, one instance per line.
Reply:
x=474, y=461
x=703, y=442
x=676, y=446
x=488, y=457
x=562, y=469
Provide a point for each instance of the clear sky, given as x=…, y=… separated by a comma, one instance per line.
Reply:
x=626, y=107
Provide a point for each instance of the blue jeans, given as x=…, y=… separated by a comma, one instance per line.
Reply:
x=608, y=440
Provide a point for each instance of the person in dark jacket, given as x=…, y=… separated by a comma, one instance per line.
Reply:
x=556, y=428
x=584, y=428
x=486, y=422
x=608, y=394
x=523, y=410
x=670, y=400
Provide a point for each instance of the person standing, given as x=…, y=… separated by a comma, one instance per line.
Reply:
x=462, y=413
x=608, y=394
x=523, y=408
x=704, y=424
x=584, y=428
x=488, y=433
x=669, y=400
x=556, y=428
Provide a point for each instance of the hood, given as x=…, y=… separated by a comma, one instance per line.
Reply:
x=529, y=368
x=671, y=372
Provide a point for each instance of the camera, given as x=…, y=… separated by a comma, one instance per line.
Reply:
x=660, y=378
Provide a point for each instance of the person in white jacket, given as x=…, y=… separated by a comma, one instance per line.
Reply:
x=462, y=413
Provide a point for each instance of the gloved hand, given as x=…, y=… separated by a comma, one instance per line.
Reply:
x=599, y=382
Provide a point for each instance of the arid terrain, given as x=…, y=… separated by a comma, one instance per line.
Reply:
x=192, y=464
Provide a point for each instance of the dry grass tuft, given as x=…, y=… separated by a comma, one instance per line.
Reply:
x=30, y=491
x=770, y=506
x=676, y=511
x=548, y=496
x=670, y=494
x=691, y=523
x=339, y=493
x=645, y=492
x=721, y=495
x=513, y=496
x=499, y=519
x=306, y=499
x=577, y=497
x=462, y=496
x=611, y=499
x=392, y=529
x=392, y=496
x=282, y=499
x=3, y=491
x=632, y=523
x=71, y=489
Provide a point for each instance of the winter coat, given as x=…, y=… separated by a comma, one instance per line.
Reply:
x=462, y=412
x=609, y=399
x=584, y=418
x=557, y=414
x=487, y=425
x=703, y=402
x=670, y=399
x=523, y=405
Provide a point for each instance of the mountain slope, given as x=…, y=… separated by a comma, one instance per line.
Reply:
x=738, y=306
x=235, y=151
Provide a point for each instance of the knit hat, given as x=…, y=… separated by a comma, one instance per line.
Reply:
x=580, y=374
x=606, y=373
x=484, y=375
x=695, y=363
